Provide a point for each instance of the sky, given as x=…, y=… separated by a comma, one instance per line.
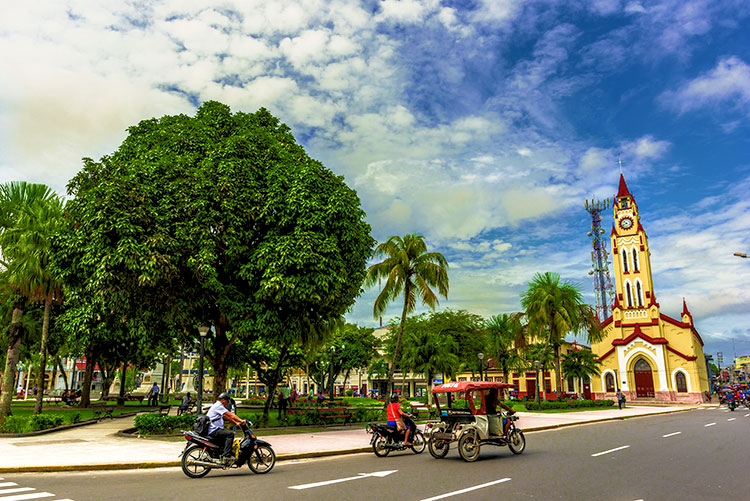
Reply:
x=483, y=125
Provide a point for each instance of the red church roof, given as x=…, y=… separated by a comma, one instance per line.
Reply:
x=623, y=190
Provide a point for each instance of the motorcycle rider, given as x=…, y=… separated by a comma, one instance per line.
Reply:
x=217, y=414
x=396, y=415
x=492, y=402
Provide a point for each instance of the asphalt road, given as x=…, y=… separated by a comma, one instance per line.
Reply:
x=700, y=454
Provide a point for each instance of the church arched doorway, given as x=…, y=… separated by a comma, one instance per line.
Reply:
x=644, y=379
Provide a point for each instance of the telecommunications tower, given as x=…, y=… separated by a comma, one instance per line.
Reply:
x=603, y=290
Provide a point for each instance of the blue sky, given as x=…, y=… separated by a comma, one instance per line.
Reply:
x=483, y=125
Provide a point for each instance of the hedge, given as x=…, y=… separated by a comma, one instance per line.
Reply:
x=568, y=404
x=158, y=424
x=26, y=424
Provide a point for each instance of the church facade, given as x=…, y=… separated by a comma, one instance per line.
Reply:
x=645, y=353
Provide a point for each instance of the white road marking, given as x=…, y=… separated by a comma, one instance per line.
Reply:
x=746, y=415
x=709, y=424
x=611, y=450
x=8, y=484
x=671, y=434
x=31, y=495
x=328, y=482
x=16, y=489
x=731, y=419
x=468, y=489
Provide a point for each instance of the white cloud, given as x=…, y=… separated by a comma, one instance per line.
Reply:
x=727, y=83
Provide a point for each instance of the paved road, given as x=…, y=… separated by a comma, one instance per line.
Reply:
x=700, y=454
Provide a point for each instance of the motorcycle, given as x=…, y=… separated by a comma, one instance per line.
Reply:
x=201, y=455
x=732, y=404
x=386, y=438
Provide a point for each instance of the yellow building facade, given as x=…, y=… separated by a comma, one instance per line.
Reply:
x=645, y=353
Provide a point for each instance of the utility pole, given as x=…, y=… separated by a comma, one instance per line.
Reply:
x=603, y=290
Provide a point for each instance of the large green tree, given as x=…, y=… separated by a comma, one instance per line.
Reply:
x=555, y=309
x=408, y=269
x=505, y=334
x=29, y=215
x=218, y=219
x=581, y=364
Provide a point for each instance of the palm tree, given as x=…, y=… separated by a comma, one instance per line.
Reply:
x=553, y=310
x=429, y=353
x=28, y=217
x=580, y=364
x=505, y=334
x=409, y=269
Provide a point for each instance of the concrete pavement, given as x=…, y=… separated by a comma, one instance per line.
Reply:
x=98, y=447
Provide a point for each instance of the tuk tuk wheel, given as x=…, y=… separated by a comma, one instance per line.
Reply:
x=438, y=448
x=516, y=441
x=468, y=446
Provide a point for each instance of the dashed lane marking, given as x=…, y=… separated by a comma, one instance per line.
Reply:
x=709, y=424
x=671, y=434
x=731, y=419
x=468, y=489
x=611, y=450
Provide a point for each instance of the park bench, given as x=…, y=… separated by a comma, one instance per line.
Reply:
x=102, y=410
x=332, y=414
x=53, y=399
x=417, y=408
x=133, y=398
x=190, y=408
x=163, y=409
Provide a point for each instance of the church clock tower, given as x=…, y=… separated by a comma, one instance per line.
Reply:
x=645, y=353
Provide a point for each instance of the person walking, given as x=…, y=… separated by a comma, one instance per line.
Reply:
x=620, y=399
x=284, y=394
x=153, y=395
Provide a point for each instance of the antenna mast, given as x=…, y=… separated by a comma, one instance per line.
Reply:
x=603, y=290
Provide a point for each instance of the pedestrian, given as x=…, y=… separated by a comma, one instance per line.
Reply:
x=284, y=394
x=620, y=399
x=153, y=395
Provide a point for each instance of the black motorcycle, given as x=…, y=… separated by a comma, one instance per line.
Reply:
x=201, y=455
x=386, y=438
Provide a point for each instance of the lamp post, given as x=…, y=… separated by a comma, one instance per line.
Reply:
x=482, y=375
x=203, y=331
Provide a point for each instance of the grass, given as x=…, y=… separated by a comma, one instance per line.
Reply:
x=26, y=408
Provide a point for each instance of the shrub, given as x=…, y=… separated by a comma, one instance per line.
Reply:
x=157, y=424
x=39, y=422
x=13, y=424
x=349, y=393
x=74, y=418
x=568, y=404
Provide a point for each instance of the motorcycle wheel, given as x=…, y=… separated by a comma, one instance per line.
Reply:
x=516, y=441
x=262, y=460
x=468, y=446
x=379, y=447
x=191, y=455
x=438, y=448
x=418, y=443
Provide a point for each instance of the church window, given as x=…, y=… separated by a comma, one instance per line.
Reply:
x=624, y=203
x=639, y=293
x=624, y=261
x=547, y=386
x=681, y=382
x=629, y=294
x=571, y=385
x=609, y=382
x=636, y=264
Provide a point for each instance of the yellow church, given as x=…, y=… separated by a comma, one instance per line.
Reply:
x=645, y=353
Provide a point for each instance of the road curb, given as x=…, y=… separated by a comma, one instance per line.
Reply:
x=286, y=457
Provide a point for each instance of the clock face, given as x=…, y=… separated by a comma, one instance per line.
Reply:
x=626, y=223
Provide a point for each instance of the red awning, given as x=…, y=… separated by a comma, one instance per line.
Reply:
x=469, y=386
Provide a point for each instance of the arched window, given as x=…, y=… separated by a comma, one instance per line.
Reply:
x=636, y=264
x=639, y=293
x=624, y=261
x=679, y=379
x=609, y=382
x=628, y=294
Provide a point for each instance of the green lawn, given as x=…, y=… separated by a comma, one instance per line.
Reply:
x=26, y=408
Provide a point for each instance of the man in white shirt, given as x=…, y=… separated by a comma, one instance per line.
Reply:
x=217, y=414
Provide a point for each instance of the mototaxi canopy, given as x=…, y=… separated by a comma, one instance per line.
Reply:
x=463, y=386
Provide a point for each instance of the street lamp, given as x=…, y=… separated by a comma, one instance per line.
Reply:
x=482, y=376
x=203, y=331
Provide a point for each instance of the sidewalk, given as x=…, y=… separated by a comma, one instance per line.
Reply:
x=97, y=447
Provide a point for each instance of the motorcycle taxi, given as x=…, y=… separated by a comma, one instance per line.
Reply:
x=469, y=417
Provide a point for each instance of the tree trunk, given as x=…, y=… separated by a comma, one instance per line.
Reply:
x=505, y=380
x=108, y=376
x=11, y=361
x=62, y=371
x=397, y=351
x=87, y=377
x=121, y=396
x=558, y=373
x=220, y=356
x=429, y=388
x=42, y=356
x=274, y=382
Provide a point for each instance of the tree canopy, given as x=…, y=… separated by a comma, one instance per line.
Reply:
x=218, y=219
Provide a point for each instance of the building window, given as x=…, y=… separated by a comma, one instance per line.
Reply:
x=681, y=382
x=516, y=385
x=629, y=294
x=609, y=381
x=639, y=293
x=571, y=385
x=547, y=386
x=636, y=264
x=624, y=261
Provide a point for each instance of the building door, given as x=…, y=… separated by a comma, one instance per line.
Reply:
x=644, y=379
x=587, y=391
x=531, y=389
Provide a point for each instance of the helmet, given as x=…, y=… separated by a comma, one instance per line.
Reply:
x=225, y=395
x=394, y=397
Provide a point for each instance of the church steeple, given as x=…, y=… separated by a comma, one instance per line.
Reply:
x=623, y=190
